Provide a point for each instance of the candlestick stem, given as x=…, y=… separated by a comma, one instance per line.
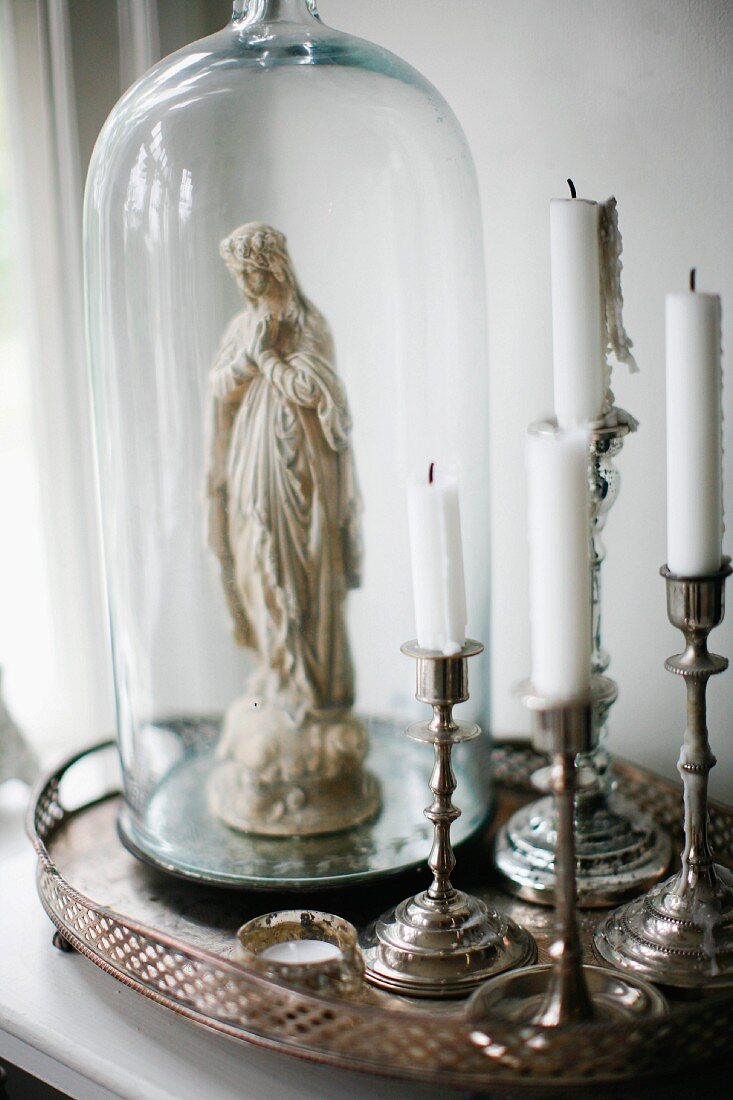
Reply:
x=696, y=761
x=568, y=999
x=569, y=991
x=681, y=932
x=442, y=813
x=442, y=942
x=619, y=850
x=604, y=483
x=696, y=608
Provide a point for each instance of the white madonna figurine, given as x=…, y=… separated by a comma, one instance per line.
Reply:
x=284, y=512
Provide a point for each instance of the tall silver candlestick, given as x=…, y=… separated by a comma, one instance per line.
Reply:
x=442, y=942
x=620, y=850
x=681, y=932
x=568, y=991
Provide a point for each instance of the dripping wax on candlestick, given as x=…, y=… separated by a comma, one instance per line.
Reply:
x=587, y=306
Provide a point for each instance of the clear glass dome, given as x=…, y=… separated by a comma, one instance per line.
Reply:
x=280, y=216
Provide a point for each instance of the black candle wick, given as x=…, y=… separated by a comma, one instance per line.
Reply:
x=693, y=277
x=573, y=192
x=431, y=472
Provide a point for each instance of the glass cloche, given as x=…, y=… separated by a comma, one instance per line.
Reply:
x=286, y=323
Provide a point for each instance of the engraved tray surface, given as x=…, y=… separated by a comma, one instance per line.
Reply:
x=172, y=941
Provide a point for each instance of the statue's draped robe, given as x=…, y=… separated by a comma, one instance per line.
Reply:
x=284, y=507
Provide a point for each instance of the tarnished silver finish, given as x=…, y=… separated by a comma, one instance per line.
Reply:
x=341, y=975
x=438, y=677
x=566, y=725
x=681, y=932
x=172, y=942
x=518, y=998
x=620, y=851
x=442, y=942
x=562, y=994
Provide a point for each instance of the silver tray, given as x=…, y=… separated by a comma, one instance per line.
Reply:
x=172, y=941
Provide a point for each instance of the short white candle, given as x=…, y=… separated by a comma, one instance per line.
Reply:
x=578, y=325
x=437, y=562
x=559, y=544
x=301, y=951
x=694, y=434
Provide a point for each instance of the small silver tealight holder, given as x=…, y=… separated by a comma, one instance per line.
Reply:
x=567, y=991
x=442, y=942
x=681, y=932
x=314, y=951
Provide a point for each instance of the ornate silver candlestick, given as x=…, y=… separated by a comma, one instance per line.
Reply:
x=567, y=991
x=619, y=850
x=681, y=932
x=442, y=942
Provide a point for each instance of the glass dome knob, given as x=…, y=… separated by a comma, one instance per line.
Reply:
x=274, y=11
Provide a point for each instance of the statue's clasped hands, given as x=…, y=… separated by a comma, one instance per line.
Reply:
x=265, y=340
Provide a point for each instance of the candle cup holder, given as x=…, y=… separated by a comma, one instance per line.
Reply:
x=567, y=991
x=620, y=850
x=339, y=976
x=681, y=932
x=442, y=942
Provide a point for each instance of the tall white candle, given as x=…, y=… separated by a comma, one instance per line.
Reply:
x=694, y=434
x=578, y=328
x=587, y=307
x=559, y=544
x=437, y=562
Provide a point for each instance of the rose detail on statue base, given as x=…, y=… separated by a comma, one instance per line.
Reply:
x=276, y=776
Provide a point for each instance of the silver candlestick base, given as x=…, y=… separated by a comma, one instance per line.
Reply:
x=620, y=851
x=442, y=942
x=567, y=992
x=681, y=932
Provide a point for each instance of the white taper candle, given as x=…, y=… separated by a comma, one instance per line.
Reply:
x=437, y=562
x=578, y=324
x=559, y=545
x=694, y=434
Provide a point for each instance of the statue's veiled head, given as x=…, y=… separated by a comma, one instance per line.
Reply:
x=257, y=256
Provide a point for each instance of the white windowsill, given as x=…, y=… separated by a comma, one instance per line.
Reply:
x=66, y=1022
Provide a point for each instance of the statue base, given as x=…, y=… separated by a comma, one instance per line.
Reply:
x=276, y=777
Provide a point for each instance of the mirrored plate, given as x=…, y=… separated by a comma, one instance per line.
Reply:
x=178, y=833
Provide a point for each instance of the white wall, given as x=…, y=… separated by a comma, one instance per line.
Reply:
x=632, y=98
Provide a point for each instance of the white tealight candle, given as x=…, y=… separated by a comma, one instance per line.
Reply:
x=301, y=951
x=559, y=544
x=437, y=562
x=694, y=434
